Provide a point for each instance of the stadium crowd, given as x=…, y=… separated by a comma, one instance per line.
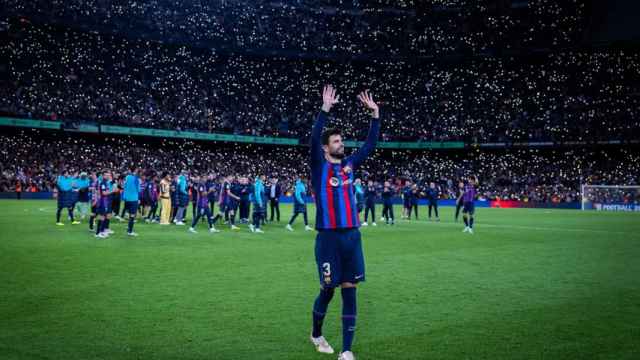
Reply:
x=353, y=27
x=56, y=73
x=445, y=70
x=35, y=159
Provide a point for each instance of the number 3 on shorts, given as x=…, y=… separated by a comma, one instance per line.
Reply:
x=326, y=269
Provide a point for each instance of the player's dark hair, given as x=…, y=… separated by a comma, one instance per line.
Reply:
x=329, y=133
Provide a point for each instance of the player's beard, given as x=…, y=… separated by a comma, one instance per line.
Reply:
x=339, y=154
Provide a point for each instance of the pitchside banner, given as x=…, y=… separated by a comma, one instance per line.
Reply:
x=514, y=204
x=616, y=207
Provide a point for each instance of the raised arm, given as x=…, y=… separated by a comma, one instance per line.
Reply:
x=374, y=130
x=329, y=98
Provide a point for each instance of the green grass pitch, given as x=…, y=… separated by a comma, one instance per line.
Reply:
x=529, y=284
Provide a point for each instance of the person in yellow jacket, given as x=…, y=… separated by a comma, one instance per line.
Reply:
x=165, y=199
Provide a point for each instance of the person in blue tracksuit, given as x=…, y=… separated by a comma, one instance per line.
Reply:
x=183, y=198
x=83, y=184
x=131, y=197
x=299, y=205
x=359, y=196
x=64, y=186
x=259, y=199
x=75, y=192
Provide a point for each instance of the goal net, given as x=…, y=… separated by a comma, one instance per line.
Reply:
x=611, y=197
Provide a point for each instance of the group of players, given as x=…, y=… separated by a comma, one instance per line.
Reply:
x=338, y=195
x=164, y=199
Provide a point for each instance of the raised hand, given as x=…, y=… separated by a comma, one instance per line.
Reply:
x=329, y=98
x=366, y=100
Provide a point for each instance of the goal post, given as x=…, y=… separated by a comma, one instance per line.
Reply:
x=610, y=197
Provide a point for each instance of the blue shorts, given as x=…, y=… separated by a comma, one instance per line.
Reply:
x=104, y=210
x=469, y=208
x=232, y=205
x=83, y=196
x=257, y=209
x=204, y=211
x=131, y=207
x=339, y=257
x=64, y=199
x=299, y=208
x=407, y=203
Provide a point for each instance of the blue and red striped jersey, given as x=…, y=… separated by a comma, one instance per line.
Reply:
x=469, y=193
x=333, y=183
x=104, y=190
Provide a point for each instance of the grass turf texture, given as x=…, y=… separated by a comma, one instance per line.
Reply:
x=530, y=284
